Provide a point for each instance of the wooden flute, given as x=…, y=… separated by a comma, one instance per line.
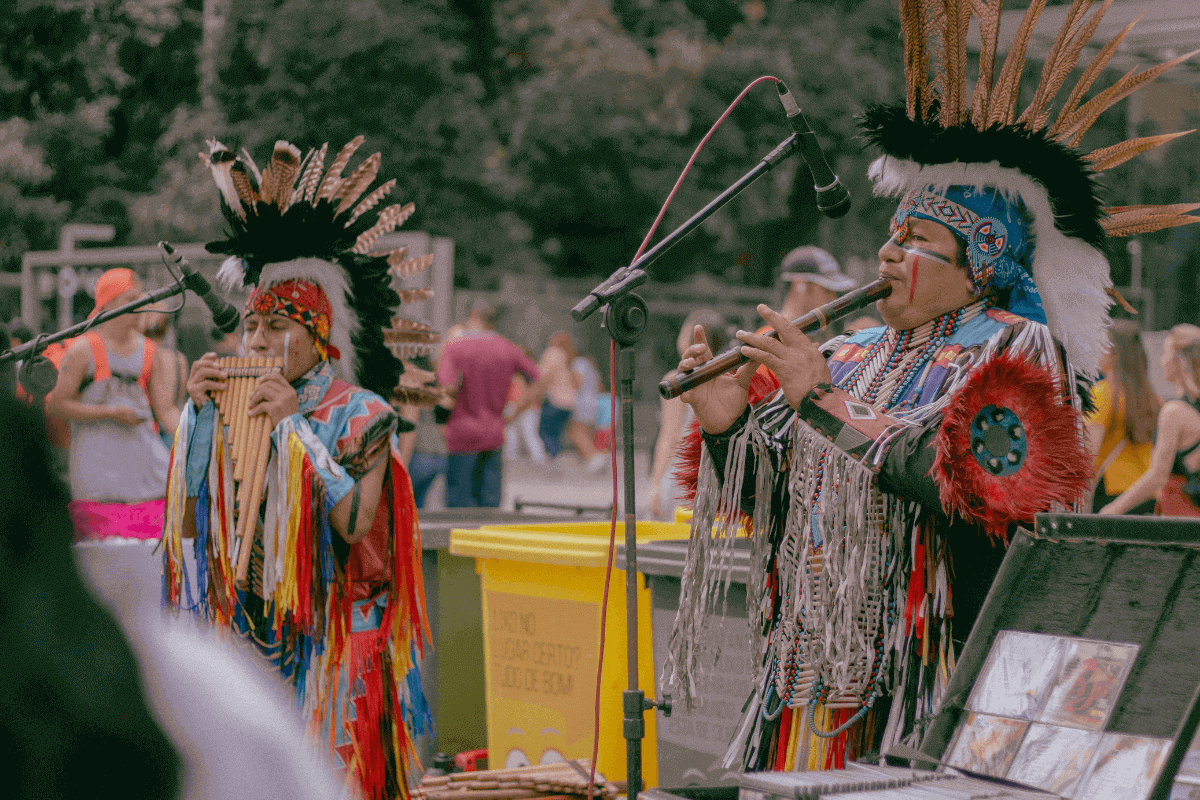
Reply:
x=677, y=383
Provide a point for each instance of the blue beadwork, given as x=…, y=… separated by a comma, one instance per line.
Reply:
x=998, y=441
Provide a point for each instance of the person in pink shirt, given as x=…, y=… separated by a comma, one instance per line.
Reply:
x=479, y=367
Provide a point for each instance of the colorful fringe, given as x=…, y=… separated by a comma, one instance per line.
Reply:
x=308, y=606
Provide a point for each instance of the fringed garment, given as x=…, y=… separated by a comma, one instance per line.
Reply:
x=345, y=624
x=862, y=586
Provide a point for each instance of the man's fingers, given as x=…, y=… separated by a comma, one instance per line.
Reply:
x=745, y=374
x=788, y=333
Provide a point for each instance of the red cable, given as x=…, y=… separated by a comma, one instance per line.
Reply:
x=612, y=382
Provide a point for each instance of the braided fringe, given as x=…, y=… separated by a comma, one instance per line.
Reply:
x=707, y=569
x=835, y=593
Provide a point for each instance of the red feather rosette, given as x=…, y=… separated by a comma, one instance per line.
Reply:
x=1009, y=447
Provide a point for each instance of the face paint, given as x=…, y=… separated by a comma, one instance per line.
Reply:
x=287, y=346
x=921, y=251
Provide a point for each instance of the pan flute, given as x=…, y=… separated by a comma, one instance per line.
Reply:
x=249, y=441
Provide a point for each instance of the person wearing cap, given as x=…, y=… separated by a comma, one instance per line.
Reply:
x=813, y=278
x=114, y=387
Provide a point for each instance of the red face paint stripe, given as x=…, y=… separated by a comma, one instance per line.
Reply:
x=912, y=283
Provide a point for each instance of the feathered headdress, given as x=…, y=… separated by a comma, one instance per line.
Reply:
x=1013, y=186
x=296, y=220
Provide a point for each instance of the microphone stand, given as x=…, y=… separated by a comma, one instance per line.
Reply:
x=625, y=318
x=191, y=280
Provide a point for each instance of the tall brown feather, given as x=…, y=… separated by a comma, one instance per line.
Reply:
x=1109, y=157
x=357, y=183
x=1090, y=73
x=1089, y=112
x=1003, y=102
x=333, y=178
x=371, y=200
x=989, y=30
x=1063, y=68
x=1059, y=61
x=955, y=21
x=913, y=32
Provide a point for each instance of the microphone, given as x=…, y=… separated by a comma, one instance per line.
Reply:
x=225, y=316
x=832, y=198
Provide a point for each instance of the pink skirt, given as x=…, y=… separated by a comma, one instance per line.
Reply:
x=94, y=520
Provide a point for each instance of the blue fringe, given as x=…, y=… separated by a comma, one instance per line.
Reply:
x=413, y=705
x=201, y=549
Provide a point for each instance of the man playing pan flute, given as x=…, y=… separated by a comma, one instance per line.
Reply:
x=883, y=481
x=332, y=587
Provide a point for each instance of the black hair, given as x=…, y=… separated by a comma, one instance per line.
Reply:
x=75, y=719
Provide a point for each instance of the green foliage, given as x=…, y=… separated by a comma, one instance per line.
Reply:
x=87, y=89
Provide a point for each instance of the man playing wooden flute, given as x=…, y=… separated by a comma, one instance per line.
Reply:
x=333, y=592
x=883, y=482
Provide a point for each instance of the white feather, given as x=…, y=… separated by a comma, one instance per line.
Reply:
x=333, y=281
x=1070, y=274
x=231, y=274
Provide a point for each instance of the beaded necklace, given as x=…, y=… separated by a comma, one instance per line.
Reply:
x=894, y=361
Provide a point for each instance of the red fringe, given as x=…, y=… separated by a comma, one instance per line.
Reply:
x=687, y=455
x=1057, y=469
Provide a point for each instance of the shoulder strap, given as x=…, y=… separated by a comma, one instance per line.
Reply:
x=99, y=357
x=148, y=348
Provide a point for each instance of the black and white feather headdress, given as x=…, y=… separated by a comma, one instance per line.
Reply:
x=297, y=220
x=949, y=135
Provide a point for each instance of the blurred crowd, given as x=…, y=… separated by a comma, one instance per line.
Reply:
x=113, y=400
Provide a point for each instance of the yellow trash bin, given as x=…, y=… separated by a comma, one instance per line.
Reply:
x=542, y=587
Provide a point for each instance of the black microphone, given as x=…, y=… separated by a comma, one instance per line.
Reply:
x=225, y=316
x=832, y=198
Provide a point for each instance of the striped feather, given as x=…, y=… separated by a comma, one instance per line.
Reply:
x=396, y=256
x=244, y=185
x=1090, y=73
x=280, y=175
x=414, y=295
x=1089, y=112
x=357, y=183
x=1109, y=157
x=389, y=219
x=1003, y=102
x=412, y=349
x=411, y=266
x=333, y=178
x=1134, y=220
x=371, y=200
x=310, y=178
x=989, y=29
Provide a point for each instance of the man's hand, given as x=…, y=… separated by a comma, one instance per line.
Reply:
x=125, y=415
x=793, y=358
x=205, y=377
x=275, y=397
x=719, y=402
